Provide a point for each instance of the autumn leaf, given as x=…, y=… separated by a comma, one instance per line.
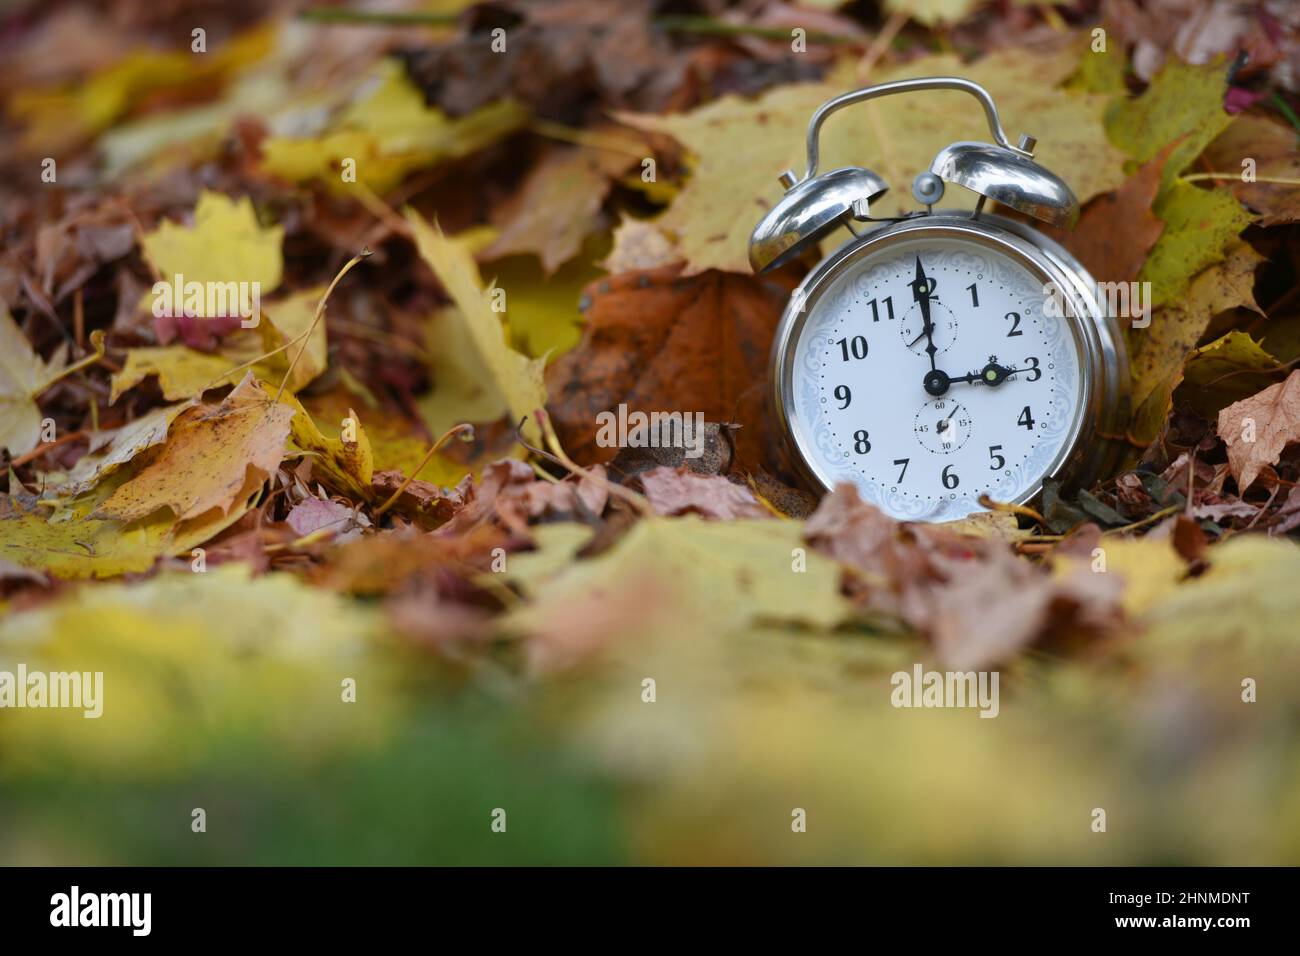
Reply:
x=639, y=246
x=225, y=244
x=1259, y=160
x=1200, y=226
x=386, y=134
x=516, y=379
x=1224, y=371
x=323, y=517
x=58, y=116
x=212, y=457
x=23, y=376
x=1112, y=256
x=1176, y=117
x=1256, y=429
x=976, y=601
x=658, y=341
x=124, y=444
x=344, y=464
x=396, y=442
x=1183, y=106
x=68, y=540
x=182, y=372
x=680, y=491
x=558, y=205
x=1157, y=353
x=544, y=311
x=732, y=573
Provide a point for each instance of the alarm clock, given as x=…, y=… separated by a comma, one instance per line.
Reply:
x=944, y=356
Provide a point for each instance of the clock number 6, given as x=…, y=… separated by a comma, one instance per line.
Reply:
x=950, y=479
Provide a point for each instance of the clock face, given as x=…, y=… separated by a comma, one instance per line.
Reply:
x=929, y=372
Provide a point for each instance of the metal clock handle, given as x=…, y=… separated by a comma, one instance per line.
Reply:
x=910, y=86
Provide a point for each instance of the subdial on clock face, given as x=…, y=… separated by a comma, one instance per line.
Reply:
x=912, y=328
x=942, y=426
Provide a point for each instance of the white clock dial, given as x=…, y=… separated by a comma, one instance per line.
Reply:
x=928, y=374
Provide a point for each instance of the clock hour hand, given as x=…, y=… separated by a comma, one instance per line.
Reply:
x=991, y=374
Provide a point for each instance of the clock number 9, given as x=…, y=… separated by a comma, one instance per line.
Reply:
x=855, y=347
x=843, y=394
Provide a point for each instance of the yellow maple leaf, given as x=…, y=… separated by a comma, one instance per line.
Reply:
x=225, y=245
x=184, y=372
x=385, y=135
x=23, y=376
x=67, y=540
x=343, y=466
x=59, y=116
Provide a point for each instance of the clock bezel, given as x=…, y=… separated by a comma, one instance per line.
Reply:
x=1092, y=446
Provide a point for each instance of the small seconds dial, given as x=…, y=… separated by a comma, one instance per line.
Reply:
x=929, y=374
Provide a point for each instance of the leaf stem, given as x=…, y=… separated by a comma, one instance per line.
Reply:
x=96, y=341
x=320, y=310
x=1279, y=180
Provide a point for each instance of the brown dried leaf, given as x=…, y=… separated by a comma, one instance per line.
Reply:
x=679, y=491
x=660, y=342
x=1256, y=429
x=557, y=206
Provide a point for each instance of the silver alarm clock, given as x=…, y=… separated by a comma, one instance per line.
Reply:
x=944, y=355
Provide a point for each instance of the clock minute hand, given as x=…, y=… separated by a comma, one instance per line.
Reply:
x=922, y=290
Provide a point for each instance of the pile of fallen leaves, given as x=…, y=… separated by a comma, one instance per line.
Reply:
x=464, y=256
